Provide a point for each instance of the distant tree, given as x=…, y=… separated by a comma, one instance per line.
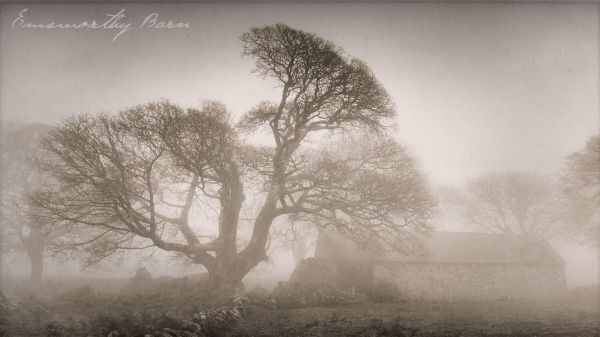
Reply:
x=580, y=181
x=513, y=202
x=135, y=178
x=21, y=147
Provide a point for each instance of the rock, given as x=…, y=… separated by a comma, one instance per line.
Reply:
x=171, y=332
x=114, y=333
x=188, y=334
x=191, y=326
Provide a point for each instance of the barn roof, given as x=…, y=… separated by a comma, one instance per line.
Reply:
x=452, y=247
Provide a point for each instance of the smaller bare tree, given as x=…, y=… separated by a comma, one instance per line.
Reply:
x=20, y=176
x=580, y=182
x=513, y=202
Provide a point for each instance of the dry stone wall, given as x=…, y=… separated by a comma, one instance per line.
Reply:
x=474, y=281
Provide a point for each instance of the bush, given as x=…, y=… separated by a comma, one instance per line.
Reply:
x=383, y=291
x=290, y=295
x=220, y=322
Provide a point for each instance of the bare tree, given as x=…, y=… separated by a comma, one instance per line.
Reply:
x=135, y=179
x=581, y=188
x=21, y=146
x=513, y=202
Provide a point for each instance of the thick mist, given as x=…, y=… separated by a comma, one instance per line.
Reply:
x=318, y=169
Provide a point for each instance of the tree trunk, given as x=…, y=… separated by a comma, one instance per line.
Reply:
x=226, y=271
x=231, y=198
x=225, y=276
x=37, y=268
x=230, y=266
x=229, y=272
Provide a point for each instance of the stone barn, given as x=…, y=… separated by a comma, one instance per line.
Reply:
x=454, y=266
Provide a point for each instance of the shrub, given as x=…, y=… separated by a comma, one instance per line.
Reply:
x=220, y=322
x=289, y=295
x=383, y=291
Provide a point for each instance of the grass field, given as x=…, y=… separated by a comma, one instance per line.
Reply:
x=85, y=312
x=499, y=318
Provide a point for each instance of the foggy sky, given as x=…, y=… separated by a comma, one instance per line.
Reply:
x=478, y=87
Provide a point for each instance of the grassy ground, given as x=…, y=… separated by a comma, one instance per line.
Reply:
x=85, y=312
x=499, y=318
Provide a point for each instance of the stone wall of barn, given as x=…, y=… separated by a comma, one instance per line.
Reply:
x=474, y=281
x=314, y=272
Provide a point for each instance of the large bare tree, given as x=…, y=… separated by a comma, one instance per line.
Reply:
x=513, y=202
x=134, y=179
